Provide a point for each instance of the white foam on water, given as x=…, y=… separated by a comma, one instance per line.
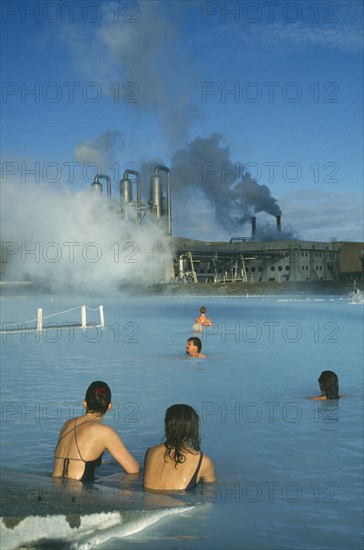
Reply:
x=93, y=529
x=28, y=529
x=356, y=297
x=139, y=523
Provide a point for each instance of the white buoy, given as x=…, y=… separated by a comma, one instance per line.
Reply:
x=197, y=327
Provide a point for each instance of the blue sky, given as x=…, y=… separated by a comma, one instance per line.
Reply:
x=217, y=91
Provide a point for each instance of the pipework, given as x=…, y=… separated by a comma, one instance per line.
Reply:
x=156, y=173
x=97, y=186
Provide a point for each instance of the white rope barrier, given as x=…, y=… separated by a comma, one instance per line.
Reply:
x=40, y=318
x=53, y=315
x=61, y=312
x=25, y=322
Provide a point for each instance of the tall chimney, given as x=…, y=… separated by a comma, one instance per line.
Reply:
x=278, y=219
x=254, y=226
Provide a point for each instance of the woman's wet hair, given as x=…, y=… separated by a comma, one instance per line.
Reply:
x=181, y=429
x=329, y=384
x=98, y=397
x=202, y=309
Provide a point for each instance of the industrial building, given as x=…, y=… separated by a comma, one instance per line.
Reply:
x=251, y=261
x=242, y=259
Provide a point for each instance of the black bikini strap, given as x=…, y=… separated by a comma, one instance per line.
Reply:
x=78, y=450
x=74, y=430
x=199, y=462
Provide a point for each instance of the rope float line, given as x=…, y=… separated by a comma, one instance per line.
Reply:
x=54, y=314
x=40, y=317
x=83, y=316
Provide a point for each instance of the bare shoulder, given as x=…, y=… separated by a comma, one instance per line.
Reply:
x=156, y=450
x=113, y=443
x=68, y=425
x=206, y=460
x=324, y=398
x=107, y=431
x=109, y=438
x=318, y=398
x=207, y=469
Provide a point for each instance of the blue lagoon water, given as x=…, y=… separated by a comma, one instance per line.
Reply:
x=289, y=470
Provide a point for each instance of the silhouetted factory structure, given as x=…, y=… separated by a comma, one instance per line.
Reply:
x=243, y=259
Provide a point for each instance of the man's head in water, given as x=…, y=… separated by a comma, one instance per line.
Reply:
x=193, y=347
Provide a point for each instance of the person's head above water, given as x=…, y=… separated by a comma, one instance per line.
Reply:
x=97, y=398
x=329, y=384
x=181, y=429
x=202, y=319
x=193, y=347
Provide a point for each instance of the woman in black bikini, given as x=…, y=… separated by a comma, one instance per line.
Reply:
x=177, y=464
x=83, y=440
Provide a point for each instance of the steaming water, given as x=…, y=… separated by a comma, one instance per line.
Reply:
x=289, y=470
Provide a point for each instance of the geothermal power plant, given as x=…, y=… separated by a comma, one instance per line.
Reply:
x=243, y=259
x=260, y=256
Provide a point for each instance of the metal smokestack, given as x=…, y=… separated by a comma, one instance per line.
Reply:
x=254, y=226
x=97, y=186
x=126, y=190
x=156, y=196
x=126, y=195
x=278, y=220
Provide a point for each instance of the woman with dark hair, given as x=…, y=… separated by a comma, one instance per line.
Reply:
x=177, y=464
x=329, y=385
x=83, y=440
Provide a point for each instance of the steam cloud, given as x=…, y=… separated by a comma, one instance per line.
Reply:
x=138, y=55
x=63, y=240
x=101, y=150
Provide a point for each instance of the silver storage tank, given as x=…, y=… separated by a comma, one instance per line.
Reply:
x=156, y=196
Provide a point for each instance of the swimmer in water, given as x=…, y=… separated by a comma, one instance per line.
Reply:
x=177, y=464
x=202, y=319
x=193, y=347
x=83, y=440
x=329, y=386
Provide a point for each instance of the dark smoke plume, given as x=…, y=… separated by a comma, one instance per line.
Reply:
x=204, y=167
